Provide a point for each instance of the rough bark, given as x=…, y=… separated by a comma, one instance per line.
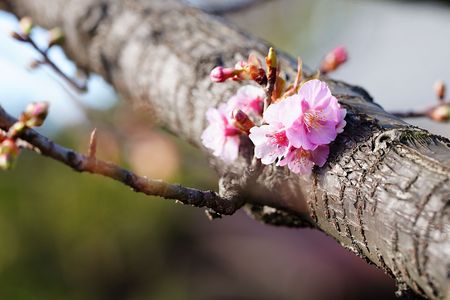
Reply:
x=385, y=192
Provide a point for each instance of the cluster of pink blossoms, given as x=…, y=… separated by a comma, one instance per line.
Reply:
x=225, y=128
x=295, y=131
x=299, y=129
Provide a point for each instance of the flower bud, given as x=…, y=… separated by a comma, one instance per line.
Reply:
x=16, y=129
x=56, y=37
x=220, y=74
x=26, y=25
x=35, y=114
x=271, y=59
x=439, y=89
x=441, y=113
x=334, y=60
x=242, y=121
x=8, y=154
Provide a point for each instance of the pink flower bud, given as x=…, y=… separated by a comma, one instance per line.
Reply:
x=8, y=153
x=334, y=59
x=220, y=74
x=35, y=114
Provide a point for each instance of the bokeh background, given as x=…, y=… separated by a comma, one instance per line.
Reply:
x=65, y=235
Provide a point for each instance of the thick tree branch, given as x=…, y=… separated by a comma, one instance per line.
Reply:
x=384, y=194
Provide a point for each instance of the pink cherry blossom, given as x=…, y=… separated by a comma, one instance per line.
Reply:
x=302, y=161
x=270, y=140
x=220, y=135
x=249, y=99
x=321, y=117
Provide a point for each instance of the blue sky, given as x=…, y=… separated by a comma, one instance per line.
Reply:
x=19, y=85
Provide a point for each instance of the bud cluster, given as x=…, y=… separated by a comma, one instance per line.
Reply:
x=33, y=116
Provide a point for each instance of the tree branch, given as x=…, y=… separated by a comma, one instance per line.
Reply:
x=90, y=164
x=384, y=192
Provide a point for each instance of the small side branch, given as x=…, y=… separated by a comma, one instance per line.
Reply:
x=81, y=87
x=90, y=164
x=56, y=37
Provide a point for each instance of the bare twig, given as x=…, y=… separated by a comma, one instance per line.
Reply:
x=410, y=114
x=46, y=60
x=438, y=112
x=90, y=164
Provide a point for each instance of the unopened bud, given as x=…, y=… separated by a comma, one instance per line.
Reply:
x=441, y=113
x=35, y=114
x=8, y=154
x=439, y=89
x=56, y=37
x=26, y=25
x=242, y=120
x=334, y=59
x=271, y=59
x=220, y=74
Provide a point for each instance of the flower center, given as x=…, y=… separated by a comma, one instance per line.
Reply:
x=230, y=131
x=314, y=119
x=279, y=138
x=301, y=154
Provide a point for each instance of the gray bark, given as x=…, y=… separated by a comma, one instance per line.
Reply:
x=385, y=192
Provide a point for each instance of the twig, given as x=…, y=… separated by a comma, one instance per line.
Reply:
x=410, y=114
x=46, y=59
x=90, y=164
x=438, y=112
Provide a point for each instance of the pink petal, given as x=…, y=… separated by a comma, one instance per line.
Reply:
x=230, y=150
x=324, y=134
x=284, y=112
x=298, y=137
x=315, y=92
x=298, y=163
x=320, y=155
x=214, y=139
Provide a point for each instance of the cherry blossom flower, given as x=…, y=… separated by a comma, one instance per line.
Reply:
x=249, y=99
x=321, y=117
x=302, y=161
x=220, y=135
x=270, y=140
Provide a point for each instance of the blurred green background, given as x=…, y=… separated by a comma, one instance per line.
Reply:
x=65, y=235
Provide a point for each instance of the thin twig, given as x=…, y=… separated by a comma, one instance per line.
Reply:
x=46, y=59
x=90, y=164
x=410, y=114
